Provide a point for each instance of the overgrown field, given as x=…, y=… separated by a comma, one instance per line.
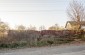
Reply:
x=30, y=38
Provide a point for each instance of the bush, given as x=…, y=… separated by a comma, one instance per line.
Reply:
x=32, y=38
x=42, y=43
x=13, y=45
x=50, y=42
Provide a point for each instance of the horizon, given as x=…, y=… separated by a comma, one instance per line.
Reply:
x=34, y=12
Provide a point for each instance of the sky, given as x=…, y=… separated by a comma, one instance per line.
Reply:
x=34, y=12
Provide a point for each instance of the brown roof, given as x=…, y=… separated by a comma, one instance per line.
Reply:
x=75, y=23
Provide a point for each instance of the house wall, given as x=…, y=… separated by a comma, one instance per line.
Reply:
x=68, y=26
x=83, y=28
x=72, y=27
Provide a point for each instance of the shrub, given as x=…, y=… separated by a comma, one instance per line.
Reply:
x=42, y=43
x=38, y=38
x=50, y=42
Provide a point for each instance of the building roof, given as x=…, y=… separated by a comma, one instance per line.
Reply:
x=75, y=23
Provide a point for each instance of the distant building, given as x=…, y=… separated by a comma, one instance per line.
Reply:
x=73, y=25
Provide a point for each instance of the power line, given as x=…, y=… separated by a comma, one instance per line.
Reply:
x=35, y=11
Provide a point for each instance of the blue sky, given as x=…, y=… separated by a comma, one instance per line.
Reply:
x=34, y=12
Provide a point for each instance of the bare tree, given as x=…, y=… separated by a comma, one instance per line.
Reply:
x=54, y=27
x=76, y=12
x=20, y=27
x=42, y=28
x=31, y=27
x=4, y=27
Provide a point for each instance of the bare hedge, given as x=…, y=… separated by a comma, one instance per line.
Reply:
x=39, y=38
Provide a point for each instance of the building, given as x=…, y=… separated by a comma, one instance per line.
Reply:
x=73, y=25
